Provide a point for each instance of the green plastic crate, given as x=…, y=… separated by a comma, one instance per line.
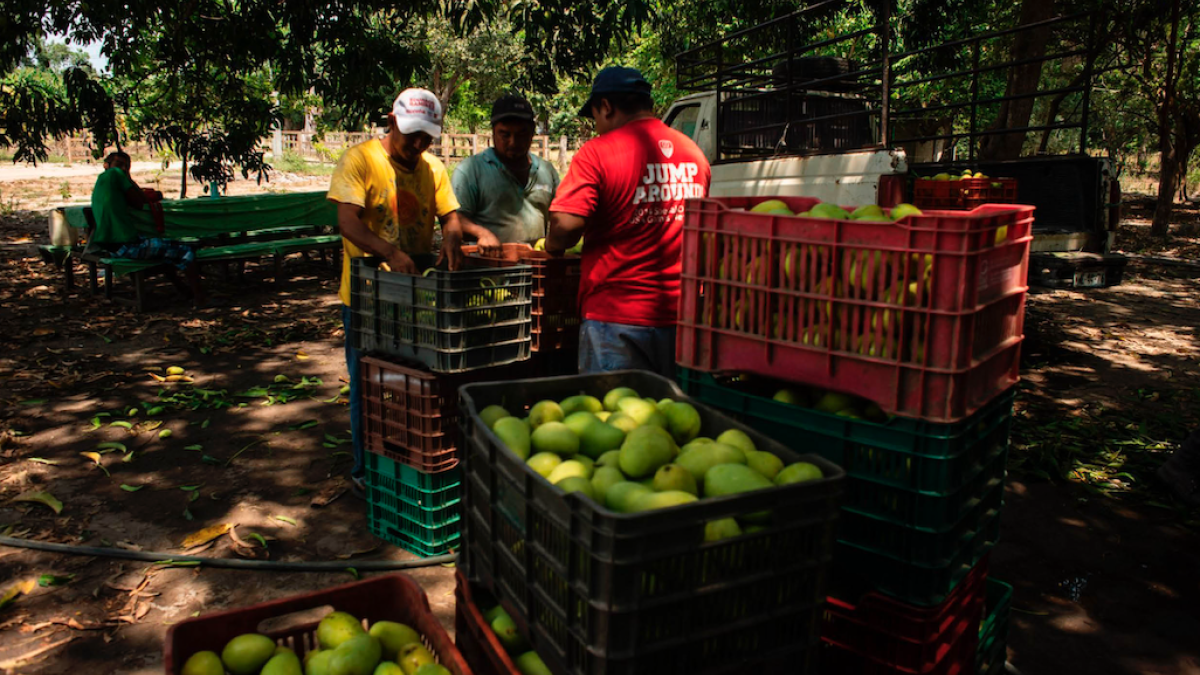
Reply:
x=424, y=490
x=419, y=512
x=920, y=474
x=437, y=543
x=993, y=632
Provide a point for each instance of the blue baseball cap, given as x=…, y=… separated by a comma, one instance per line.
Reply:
x=615, y=80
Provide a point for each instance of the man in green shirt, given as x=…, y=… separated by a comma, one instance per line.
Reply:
x=114, y=198
x=504, y=188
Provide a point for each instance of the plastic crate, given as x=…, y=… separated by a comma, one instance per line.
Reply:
x=963, y=193
x=391, y=597
x=1077, y=269
x=449, y=321
x=431, y=508
x=923, y=316
x=993, y=632
x=862, y=568
x=878, y=635
x=430, y=490
x=411, y=415
x=904, y=469
x=555, y=291
x=479, y=646
x=602, y=592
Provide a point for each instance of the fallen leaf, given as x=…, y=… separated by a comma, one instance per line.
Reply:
x=174, y=563
x=189, y=488
x=259, y=538
x=131, y=488
x=157, y=378
x=128, y=457
x=165, y=433
x=307, y=424
x=206, y=535
x=40, y=460
x=16, y=589
x=285, y=519
x=111, y=445
x=43, y=331
x=34, y=401
x=175, y=370
x=302, y=356
x=41, y=497
x=121, y=423
x=51, y=580
x=351, y=554
x=197, y=447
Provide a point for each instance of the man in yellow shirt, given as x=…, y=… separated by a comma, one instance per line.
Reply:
x=388, y=192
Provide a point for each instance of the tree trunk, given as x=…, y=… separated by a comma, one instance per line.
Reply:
x=1022, y=79
x=183, y=177
x=1169, y=162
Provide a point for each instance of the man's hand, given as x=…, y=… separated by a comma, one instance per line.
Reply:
x=452, y=238
x=565, y=231
x=400, y=262
x=489, y=243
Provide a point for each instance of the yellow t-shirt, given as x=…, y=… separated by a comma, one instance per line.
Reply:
x=398, y=205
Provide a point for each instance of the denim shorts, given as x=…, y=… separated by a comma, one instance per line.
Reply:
x=605, y=346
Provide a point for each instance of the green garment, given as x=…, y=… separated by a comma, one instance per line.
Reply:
x=208, y=217
x=114, y=226
x=489, y=194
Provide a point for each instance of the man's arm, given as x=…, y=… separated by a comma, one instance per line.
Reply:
x=352, y=227
x=452, y=237
x=489, y=243
x=565, y=231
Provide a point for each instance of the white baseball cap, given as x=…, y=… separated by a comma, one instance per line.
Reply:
x=418, y=110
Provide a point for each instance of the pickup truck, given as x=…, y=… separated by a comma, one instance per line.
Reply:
x=803, y=121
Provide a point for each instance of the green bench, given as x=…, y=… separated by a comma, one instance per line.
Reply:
x=225, y=249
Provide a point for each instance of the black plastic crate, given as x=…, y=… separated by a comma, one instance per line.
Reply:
x=1077, y=270
x=602, y=592
x=448, y=321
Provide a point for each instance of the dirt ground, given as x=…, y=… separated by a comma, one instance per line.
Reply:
x=1103, y=562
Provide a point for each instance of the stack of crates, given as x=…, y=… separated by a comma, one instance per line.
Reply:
x=598, y=592
x=423, y=337
x=891, y=349
x=555, y=307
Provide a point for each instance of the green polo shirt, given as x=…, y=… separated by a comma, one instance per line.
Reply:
x=110, y=210
x=489, y=194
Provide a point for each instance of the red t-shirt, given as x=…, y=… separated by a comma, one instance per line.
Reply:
x=630, y=185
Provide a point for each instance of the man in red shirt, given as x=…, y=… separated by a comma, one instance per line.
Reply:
x=624, y=195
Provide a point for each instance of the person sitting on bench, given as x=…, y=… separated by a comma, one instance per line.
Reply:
x=114, y=196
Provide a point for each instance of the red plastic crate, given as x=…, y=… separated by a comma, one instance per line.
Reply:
x=880, y=635
x=963, y=193
x=391, y=597
x=924, y=316
x=474, y=638
x=410, y=415
x=555, y=292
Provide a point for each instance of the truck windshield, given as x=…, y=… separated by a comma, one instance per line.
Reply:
x=684, y=120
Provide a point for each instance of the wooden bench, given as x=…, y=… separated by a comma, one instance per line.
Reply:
x=225, y=249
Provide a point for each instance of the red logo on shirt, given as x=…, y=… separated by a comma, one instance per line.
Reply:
x=667, y=147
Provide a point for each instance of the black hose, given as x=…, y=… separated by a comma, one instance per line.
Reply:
x=230, y=563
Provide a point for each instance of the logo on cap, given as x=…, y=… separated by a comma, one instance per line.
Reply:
x=667, y=147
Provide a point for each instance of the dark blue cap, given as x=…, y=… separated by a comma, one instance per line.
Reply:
x=615, y=80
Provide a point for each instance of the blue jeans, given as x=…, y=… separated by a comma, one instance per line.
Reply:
x=607, y=346
x=359, y=469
